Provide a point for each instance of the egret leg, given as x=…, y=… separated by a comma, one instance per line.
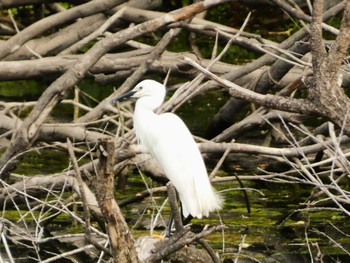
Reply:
x=169, y=225
x=175, y=214
x=184, y=220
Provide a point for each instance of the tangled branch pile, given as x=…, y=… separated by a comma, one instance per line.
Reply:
x=280, y=94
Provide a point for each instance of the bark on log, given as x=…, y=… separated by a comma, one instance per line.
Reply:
x=54, y=43
x=121, y=241
x=61, y=18
x=51, y=67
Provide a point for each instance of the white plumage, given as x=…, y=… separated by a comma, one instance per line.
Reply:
x=170, y=142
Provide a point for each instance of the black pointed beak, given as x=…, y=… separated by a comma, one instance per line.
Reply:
x=123, y=96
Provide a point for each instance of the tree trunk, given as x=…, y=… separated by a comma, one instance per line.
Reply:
x=121, y=241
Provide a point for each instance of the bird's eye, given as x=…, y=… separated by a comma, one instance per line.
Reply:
x=140, y=88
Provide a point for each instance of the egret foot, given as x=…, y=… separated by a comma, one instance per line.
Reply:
x=186, y=220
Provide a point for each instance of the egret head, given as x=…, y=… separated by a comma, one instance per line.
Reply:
x=148, y=92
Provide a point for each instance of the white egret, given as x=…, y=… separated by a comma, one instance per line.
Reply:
x=168, y=140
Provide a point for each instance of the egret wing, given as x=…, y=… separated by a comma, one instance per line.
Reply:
x=173, y=146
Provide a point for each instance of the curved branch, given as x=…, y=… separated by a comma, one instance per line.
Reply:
x=270, y=101
x=45, y=24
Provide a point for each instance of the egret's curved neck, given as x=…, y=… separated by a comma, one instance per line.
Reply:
x=149, y=103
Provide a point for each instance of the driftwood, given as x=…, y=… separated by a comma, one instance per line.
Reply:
x=296, y=80
x=122, y=245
